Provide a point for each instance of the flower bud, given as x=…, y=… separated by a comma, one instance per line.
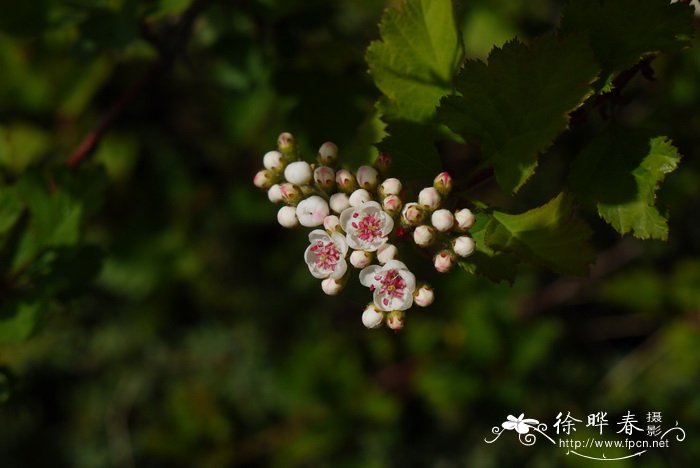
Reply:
x=387, y=252
x=383, y=162
x=273, y=160
x=464, y=218
x=367, y=177
x=429, y=198
x=392, y=204
x=444, y=261
x=312, y=211
x=287, y=217
x=263, y=179
x=339, y=201
x=286, y=144
x=331, y=223
x=358, y=197
x=345, y=180
x=291, y=194
x=274, y=194
x=443, y=183
x=324, y=177
x=331, y=286
x=328, y=154
x=412, y=214
x=391, y=186
x=360, y=259
x=298, y=173
x=395, y=319
x=443, y=220
x=424, y=235
x=423, y=296
x=371, y=317
x=463, y=246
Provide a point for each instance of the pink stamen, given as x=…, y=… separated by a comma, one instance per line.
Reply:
x=369, y=228
x=327, y=255
x=392, y=284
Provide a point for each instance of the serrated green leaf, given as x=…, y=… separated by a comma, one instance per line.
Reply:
x=495, y=266
x=18, y=320
x=10, y=209
x=414, y=63
x=550, y=235
x=620, y=171
x=620, y=32
x=518, y=103
x=412, y=148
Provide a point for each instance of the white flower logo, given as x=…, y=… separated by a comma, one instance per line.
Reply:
x=326, y=254
x=367, y=226
x=392, y=284
x=521, y=426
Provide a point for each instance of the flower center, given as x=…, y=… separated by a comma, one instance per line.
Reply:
x=368, y=228
x=327, y=255
x=391, y=284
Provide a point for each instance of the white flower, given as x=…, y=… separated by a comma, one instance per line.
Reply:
x=331, y=223
x=287, y=217
x=444, y=261
x=424, y=296
x=521, y=425
x=367, y=226
x=392, y=204
x=371, y=317
x=312, y=211
x=429, y=198
x=424, y=235
x=395, y=319
x=392, y=284
x=464, y=218
x=386, y=252
x=443, y=220
x=443, y=183
x=331, y=286
x=263, y=179
x=391, y=186
x=412, y=214
x=367, y=177
x=298, y=173
x=324, y=177
x=273, y=160
x=358, y=197
x=463, y=246
x=339, y=202
x=326, y=254
x=274, y=194
x=328, y=153
x=360, y=258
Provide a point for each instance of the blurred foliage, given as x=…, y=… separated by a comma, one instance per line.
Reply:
x=171, y=322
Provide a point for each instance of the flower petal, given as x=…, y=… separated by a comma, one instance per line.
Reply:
x=508, y=425
x=367, y=275
x=345, y=217
x=340, y=268
x=522, y=428
x=318, y=235
x=340, y=242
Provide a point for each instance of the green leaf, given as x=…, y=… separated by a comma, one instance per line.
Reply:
x=620, y=172
x=18, y=320
x=620, y=32
x=550, y=235
x=518, y=103
x=10, y=209
x=486, y=262
x=414, y=63
x=413, y=151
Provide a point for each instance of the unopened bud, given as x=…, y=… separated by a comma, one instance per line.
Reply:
x=331, y=223
x=392, y=204
x=360, y=259
x=339, y=202
x=331, y=286
x=345, y=180
x=287, y=217
x=429, y=198
x=464, y=218
x=286, y=145
x=358, y=197
x=312, y=211
x=387, y=252
x=291, y=194
x=298, y=173
x=383, y=162
x=273, y=160
x=443, y=183
x=412, y=214
x=274, y=194
x=463, y=246
x=371, y=317
x=391, y=186
x=424, y=296
x=424, y=235
x=367, y=177
x=263, y=179
x=328, y=154
x=395, y=319
x=324, y=177
x=443, y=220
x=444, y=261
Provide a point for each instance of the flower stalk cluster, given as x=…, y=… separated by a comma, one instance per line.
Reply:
x=359, y=217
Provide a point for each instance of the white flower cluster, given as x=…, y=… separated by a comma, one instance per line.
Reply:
x=360, y=213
